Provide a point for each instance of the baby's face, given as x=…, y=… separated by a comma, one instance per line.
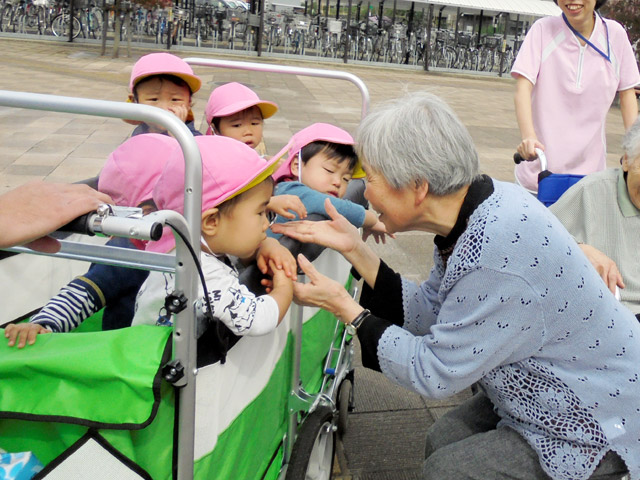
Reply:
x=241, y=230
x=244, y=126
x=166, y=95
x=326, y=175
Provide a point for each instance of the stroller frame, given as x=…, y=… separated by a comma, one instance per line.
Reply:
x=338, y=363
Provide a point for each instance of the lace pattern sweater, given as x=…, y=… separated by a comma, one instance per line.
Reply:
x=517, y=307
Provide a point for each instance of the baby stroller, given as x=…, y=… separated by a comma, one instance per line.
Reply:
x=551, y=185
x=124, y=403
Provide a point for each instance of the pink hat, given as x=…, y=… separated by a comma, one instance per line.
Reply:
x=232, y=98
x=164, y=64
x=229, y=168
x=132, y=169
x=313, y=133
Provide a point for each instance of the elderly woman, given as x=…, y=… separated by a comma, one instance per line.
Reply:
x=602, y=212
x=512, y=303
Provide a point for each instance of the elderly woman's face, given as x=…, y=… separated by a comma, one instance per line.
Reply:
x=394, y=206
x=633, y=180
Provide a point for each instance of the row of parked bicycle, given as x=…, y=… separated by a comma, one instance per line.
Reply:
x=229, y=24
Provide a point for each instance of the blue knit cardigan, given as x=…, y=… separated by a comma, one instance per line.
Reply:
x=518, y=308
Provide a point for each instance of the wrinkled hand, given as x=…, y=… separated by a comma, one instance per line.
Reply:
x=527, y=148
x=337, y=233
x=35, y=209
x=287, y=206
x=23, y=333
x=272, y=253
x=606, y=268
x=321, y=291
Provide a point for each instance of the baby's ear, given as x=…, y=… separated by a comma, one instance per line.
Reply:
x=295, y=165
x=131, y=98
x=210, y=221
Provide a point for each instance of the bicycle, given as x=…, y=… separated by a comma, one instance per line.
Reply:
x=62, y=22
x=444, y=54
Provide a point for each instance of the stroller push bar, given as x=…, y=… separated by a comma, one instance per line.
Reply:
x=309, y=72
x=517, y=158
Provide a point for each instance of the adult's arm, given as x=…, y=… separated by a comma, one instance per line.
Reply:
x=32, y=211
x=524, y=115
x=606, y=268
x=628, y=107
x=574, y=211
x=487, y=319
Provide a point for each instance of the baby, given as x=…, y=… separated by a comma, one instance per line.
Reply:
x=320, y=163
x=236, y=111
x=236, y=188
x=165, y=81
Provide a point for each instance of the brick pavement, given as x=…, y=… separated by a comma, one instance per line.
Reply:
x=384, y=440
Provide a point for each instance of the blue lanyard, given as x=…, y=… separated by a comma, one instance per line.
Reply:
x=606, y=29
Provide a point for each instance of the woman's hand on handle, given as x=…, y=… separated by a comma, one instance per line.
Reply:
x=323, y=292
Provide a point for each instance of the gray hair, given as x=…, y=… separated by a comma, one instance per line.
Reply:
x=631, y=142
x=415, y=139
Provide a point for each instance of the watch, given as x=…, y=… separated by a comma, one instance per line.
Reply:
x=352, y=328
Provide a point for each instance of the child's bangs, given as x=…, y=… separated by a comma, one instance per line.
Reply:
x=334, y=151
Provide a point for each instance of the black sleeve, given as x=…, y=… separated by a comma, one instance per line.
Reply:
x=369, y=335
x=385, y=300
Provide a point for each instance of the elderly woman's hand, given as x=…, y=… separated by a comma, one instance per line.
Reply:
x=336, y=233
x=323, y=292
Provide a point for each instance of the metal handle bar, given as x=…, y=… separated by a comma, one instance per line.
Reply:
x=111, y=220
x=517, y=158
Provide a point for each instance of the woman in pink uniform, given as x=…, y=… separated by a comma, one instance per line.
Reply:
x=568, y=71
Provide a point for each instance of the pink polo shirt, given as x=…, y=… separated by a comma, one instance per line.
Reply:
x=574, y=87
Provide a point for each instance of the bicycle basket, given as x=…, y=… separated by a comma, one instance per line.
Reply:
x=335, y=26
x=464, y=40
x=492, y=42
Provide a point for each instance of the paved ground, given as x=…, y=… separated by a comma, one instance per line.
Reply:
x=385, y=438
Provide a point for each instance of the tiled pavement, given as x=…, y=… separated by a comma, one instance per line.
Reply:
x=385, y=437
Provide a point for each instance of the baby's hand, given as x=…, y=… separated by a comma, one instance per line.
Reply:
x=378, y=231
x=181, y=111
x=279, y=278
x=271, y=251
x=282, y=204
x=24, y=333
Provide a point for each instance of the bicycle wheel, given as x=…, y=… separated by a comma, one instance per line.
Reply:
x=345, y=405
x=5, y=18
x=60, y=25
x=18, y=21
x=94, y=25
x=313, y=452
x=42, y=20
x=450, y=57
